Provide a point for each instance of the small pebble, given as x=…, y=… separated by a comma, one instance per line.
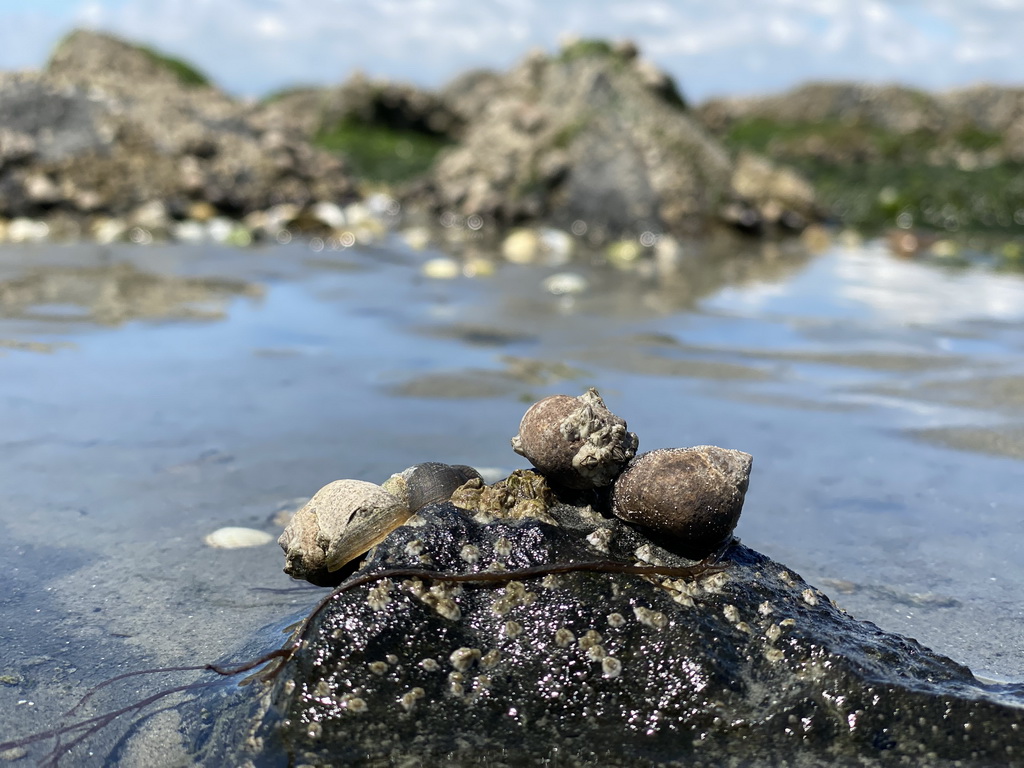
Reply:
x=565, y=284
x=442, y=269
x=521, y=246
x=416, y=238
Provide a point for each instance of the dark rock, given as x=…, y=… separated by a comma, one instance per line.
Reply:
x=397, y=106
x=747, y=666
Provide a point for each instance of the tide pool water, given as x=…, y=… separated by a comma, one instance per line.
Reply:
x=151, y=395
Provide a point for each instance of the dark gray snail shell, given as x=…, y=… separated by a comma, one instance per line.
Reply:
x=576, y=442
x=690, y=496
x=428, y=483
x=346, y=518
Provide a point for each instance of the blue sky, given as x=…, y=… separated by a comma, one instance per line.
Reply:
x=251, y=47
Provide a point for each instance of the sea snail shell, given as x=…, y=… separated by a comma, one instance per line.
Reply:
x=691, y=496
x=346, y=518
x=575, y=441
x=428, y=483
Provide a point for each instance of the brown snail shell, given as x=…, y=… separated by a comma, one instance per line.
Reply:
x=575, y=441
x=691, y=496
x=428, y=483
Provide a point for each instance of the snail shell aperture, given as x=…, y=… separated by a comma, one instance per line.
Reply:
x=575, y=441
x=428, y=483
x=346, y=518
x=692, y=496
x=343, y=520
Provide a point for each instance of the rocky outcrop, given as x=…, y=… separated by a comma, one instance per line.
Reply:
x=747, y=665
x=595, y=136
x=893, y=107
x=546, y=619
x=855, y=122
x=890, y=155
x=109, y=126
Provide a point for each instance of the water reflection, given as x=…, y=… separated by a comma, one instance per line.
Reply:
x=908, y=292
x=117, y=293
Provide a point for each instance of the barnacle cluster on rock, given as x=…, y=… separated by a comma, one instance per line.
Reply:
x=690, y=498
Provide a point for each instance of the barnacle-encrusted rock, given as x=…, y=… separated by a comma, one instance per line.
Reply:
x=342, y=521
x=521, y=494
x=576, y=441
x=109, y=127
x=748, y=666
x=691, y=497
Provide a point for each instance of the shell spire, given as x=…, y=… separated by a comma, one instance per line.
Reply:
x=575, y=441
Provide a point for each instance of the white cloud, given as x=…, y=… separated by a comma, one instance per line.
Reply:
x=270, y=26
x=251, y=46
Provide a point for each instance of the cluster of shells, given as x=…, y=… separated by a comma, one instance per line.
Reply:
x=688, y=499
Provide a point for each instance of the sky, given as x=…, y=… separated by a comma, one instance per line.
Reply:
x=719, y=47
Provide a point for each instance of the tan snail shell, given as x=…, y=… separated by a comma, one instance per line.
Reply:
x=575, y=442
x=691, y=496
x=346, y=518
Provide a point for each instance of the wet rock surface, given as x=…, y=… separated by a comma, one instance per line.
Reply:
x=746, y=666
x=597, y=135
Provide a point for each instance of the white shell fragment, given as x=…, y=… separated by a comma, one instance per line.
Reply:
x=234, y=537
x=342, y=521
x=565, y=284
x=442, y=268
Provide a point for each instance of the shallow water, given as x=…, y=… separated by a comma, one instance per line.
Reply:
x=149, y=396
